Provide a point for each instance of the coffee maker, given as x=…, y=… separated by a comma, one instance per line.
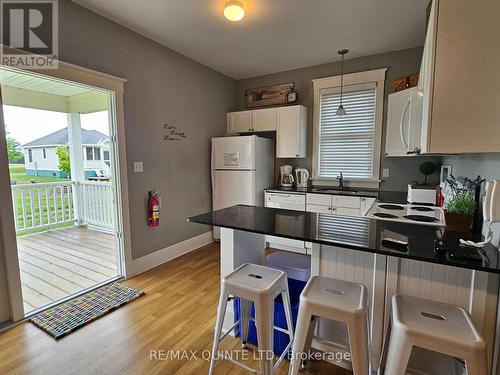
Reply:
x=286, y=176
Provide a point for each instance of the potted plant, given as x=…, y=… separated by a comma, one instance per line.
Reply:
x=427, y=168
x=460, y=203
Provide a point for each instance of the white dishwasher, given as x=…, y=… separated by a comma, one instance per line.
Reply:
x=287, y=201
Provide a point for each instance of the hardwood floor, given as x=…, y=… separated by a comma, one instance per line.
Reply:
x=61, y=262
x=177, y=313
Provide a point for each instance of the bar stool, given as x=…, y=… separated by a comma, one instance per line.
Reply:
x=260, y=285
x=435, y=326
x=338, y=300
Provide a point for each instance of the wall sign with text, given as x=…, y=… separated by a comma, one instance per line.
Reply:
x=172, y=134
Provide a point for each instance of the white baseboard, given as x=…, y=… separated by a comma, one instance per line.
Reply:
x=166, y=254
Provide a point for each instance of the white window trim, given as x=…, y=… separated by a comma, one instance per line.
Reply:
x=376, y=76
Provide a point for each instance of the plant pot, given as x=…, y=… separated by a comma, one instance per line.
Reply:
x=458, y=222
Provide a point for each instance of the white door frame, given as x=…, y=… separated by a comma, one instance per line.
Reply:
x=114, y=85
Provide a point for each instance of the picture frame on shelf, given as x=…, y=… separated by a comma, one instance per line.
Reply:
x=446, y=171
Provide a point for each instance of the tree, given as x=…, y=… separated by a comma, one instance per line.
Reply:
x=63, y=157
x=13, y=152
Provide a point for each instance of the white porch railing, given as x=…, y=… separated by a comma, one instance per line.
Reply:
x=43, y=205
x=97, y=200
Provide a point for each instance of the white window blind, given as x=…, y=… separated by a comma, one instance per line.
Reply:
x=346, y=143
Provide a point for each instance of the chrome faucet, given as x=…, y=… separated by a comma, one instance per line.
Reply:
x=341, y=181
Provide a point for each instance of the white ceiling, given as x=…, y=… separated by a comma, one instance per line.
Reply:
x=275, y=35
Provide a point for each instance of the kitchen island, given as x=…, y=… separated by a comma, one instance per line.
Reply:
x=353, y=249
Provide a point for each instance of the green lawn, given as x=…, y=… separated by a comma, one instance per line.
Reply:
x=38, y=197
x=18, y=174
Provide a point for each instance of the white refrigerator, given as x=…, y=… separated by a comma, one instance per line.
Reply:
x=242, y=167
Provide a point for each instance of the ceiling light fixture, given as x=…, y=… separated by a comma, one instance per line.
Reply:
x=234, y=11
x=340, y=110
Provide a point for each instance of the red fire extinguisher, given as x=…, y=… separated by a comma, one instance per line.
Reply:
x=153, y=209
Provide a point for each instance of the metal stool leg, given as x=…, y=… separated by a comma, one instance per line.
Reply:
x=307, y=348
x=246, y=307
x=357, y=329
x=264, y=313
x=398, y=354
x=303, y=321
x=477, y=364
x=221, y=312
x=288, y=312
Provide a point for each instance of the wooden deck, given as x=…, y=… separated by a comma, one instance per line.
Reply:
x=58, y=263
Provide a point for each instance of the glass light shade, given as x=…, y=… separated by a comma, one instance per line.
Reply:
x=234, y=11
x=340, y=111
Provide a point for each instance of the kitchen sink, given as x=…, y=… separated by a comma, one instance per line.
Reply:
x=347, y=191
x=336, y=191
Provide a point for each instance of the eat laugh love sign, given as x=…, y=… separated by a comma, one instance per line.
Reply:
x=172, y=134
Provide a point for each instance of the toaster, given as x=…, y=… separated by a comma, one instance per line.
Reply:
x=422, y=194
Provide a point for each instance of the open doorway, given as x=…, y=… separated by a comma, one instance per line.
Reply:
x=63, y=185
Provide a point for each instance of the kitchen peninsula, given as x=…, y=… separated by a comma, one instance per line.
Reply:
x=353, y=249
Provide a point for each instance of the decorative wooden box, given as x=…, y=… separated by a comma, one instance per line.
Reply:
x=404, y=83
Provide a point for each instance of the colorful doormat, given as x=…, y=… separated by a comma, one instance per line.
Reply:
x=63, y=319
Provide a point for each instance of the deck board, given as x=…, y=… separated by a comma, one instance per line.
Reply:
x=58, y=263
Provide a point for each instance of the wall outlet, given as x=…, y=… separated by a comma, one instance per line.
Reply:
x=385, y=172
x=138, y=166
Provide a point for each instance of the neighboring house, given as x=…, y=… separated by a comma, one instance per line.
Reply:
x=40, y=157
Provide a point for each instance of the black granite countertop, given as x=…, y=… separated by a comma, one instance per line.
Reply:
x=381, y=195
x=356, y=233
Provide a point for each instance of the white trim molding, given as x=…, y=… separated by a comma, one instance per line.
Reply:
x=147, y=262
x=376, y=77
x=114, y=88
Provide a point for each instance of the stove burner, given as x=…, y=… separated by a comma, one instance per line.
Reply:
x=427, y=219
x=391, y=207
x=423, y=209
x=384, y=215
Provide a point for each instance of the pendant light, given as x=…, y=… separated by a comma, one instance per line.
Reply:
x=340, y=110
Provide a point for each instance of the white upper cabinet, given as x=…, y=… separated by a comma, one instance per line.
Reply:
x=289, y=123
x=264, y=120
x=291, y=132
x=239, y=122
x=404, y=122
x=459, y=78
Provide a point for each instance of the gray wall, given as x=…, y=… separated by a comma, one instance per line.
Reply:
x=472, y=165
x=163, y=87
x=400, y=63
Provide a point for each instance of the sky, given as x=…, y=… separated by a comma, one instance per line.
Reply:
x=26, y=124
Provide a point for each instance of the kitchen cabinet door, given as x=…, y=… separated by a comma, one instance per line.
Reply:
x=460, y=77
x=345, y=211
x=291, y=132
x=264, y=120
x=319, y=208
x=239, y=122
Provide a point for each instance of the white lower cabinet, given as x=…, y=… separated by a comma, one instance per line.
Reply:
x=338, y=204
x=288, y=201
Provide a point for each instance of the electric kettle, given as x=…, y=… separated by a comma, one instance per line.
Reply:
x=301, y=177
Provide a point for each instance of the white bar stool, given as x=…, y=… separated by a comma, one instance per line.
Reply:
x=260, y=285
x=338, y=300
x=435, y=326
